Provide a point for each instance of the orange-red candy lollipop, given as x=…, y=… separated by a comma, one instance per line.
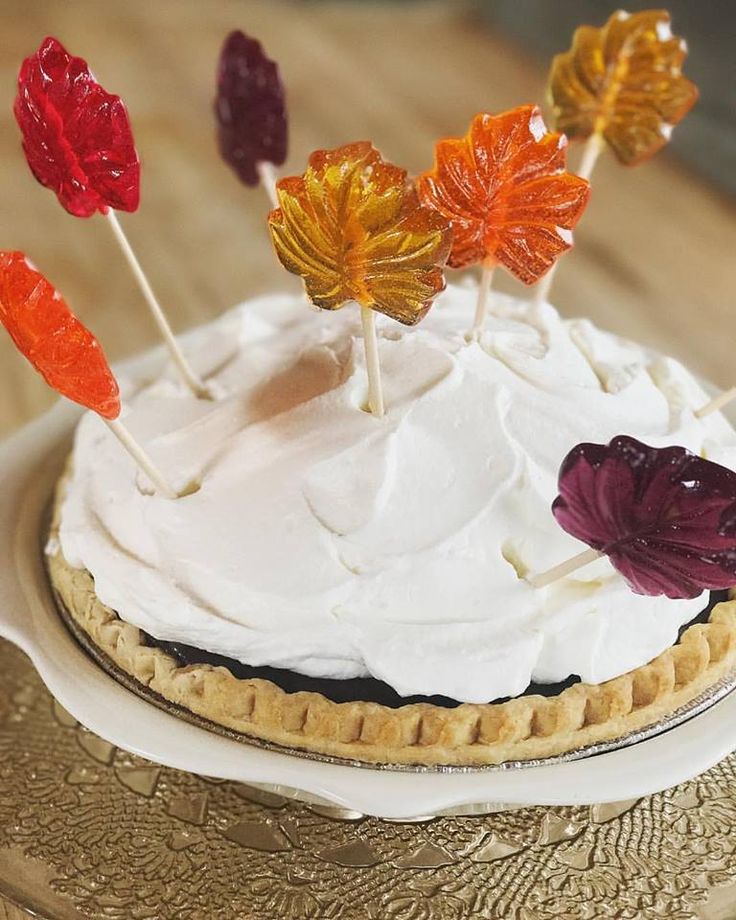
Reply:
x=65, y=352
x=50, y=336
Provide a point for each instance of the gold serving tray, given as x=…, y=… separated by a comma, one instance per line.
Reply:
x=88, y=830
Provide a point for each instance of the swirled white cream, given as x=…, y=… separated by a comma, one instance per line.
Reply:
x=337, y=544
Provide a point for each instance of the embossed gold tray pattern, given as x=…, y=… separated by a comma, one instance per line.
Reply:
x=87, y=830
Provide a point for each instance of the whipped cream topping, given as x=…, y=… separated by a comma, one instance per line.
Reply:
x=336, y=544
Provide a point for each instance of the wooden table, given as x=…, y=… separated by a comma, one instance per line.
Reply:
x=654, y=258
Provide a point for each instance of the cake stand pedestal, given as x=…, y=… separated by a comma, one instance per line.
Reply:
x=88, y=830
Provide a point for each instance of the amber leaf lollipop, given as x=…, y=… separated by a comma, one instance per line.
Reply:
x=665, y=517
x=354, y=230
x=620, y=86
x=78, y=142
x=252, y=130
x=505, y=190
x=64, y=351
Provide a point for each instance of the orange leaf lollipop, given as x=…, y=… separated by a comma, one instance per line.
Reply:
x=63, y=350
x=623, y=84
x=505, y=190
x=353, y=230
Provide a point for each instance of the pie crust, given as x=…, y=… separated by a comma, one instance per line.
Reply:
x=524, y=728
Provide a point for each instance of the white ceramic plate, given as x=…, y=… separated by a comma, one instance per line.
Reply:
x=29, y=465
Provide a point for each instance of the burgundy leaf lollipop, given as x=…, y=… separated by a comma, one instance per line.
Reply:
x=76, y=137
x=665, y=517
x=249, y=107
x=64, y=351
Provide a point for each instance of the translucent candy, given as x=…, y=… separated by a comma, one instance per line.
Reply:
x=505, y=190
x=44, y=329
x=664, y=517
x=249, y=108
x=624, y=83
x=76, y=137
x=353, y=230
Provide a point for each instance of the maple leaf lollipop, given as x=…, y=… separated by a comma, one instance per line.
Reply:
x=64, y=351
x=506, y=192
x=621, y=86
x=252, y=130
x=665, y=517
x=353, y=230
x=78, y=142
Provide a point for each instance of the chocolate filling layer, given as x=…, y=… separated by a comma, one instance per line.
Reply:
x=366, y=689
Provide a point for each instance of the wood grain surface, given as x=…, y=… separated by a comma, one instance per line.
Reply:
x=654, y=257
x=8, y=912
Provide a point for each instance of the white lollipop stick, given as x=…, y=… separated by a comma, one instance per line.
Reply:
x=564, y=568
x=370, y=341
x=591, y=151
x=187, y=373
x=718, y=402
x=141, y=458
x=268, y=176
x=481, y=306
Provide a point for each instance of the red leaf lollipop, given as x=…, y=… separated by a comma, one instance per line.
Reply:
x=250, y=111
x=78, y=142
x=63, y=350
x=665, y=517
x=76, y=137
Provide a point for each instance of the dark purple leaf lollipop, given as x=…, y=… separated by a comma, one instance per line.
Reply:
x=664, y=517
x=249, y=107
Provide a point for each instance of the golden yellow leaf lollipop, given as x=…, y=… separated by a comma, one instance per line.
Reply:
x=623, y=84
x=354, y=230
